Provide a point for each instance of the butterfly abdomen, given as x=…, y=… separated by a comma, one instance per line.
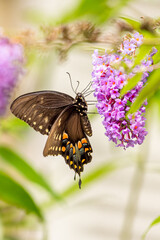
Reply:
x=86, y=125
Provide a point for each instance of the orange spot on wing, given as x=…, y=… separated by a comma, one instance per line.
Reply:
x=63, y=149
x=84, y=140
x=65, y=135
x=71, y=146
x=74, y=150
x=79, y=144
x=86, y=149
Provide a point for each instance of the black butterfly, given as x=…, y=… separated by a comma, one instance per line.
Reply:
x=65, y=121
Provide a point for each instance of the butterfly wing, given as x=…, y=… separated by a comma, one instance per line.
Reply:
x=54, y=141
x=41, y=109
x=68, y=138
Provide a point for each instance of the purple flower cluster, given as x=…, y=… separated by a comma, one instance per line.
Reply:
x=11, y=60
x=109, y=77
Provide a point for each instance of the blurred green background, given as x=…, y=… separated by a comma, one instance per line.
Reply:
x=39, y=199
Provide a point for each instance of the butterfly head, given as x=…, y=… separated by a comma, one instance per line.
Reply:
x=81, y=102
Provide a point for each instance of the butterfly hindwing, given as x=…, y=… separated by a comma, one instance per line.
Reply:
x=80, y=153
x=68, y=138
x=41, y=109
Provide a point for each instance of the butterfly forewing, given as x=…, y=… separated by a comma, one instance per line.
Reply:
x=41, y=109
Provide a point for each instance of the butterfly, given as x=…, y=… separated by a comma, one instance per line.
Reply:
x=65, y=121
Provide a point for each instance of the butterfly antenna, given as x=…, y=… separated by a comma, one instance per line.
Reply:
x=77, y=87
x=87, y=87
x=88, y=93
x=71, y=82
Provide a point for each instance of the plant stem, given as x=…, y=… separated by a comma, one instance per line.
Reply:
x=131, y=209
x=136, y=185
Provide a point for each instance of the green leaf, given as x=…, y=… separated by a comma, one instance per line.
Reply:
x=155, y=101
x=156, y=57
x=16, y=161
x=155, y=222
x=13, y=193
x=144, y=50
x=132, y=82
x=13, y=125
x=135, y=24
x=97, y=11
x=10, y=238
x=149, y=89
